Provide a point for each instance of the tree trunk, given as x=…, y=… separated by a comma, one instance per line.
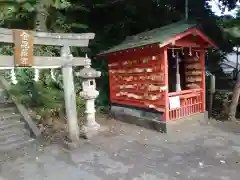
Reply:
x=234, y=103
x=40, y=25
x=41, y=16
x=236, y=93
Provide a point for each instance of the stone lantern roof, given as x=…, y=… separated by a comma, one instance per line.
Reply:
x=88, y=72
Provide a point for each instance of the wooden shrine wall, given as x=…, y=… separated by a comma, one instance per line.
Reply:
x=193, y=72
x=138, y=82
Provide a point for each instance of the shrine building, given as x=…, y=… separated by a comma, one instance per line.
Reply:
x=157, y=77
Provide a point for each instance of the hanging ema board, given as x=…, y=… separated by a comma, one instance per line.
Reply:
x=23, y=41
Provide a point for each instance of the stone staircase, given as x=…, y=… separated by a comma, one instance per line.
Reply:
x=13, y=131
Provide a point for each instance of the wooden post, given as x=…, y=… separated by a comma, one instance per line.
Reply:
x=211, y=95
x=69, y=95
x=178, y=77
x=165, y=60
x=203, y=85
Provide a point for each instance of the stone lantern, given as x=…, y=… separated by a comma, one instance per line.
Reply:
x=89, y=93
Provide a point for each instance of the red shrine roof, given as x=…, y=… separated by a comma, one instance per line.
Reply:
x=163, y=35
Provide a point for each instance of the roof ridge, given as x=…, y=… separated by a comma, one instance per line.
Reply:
x=189, y=22
x=156, y=35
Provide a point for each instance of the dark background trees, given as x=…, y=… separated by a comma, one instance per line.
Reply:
x=112, y=21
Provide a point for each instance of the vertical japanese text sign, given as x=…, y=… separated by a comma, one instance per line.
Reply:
x=23, y=42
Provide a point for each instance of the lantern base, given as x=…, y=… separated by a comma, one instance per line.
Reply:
x=88, y=132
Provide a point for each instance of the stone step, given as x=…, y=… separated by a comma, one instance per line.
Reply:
x=7, y=110
x=3, y=94
x=6, y=136
x=6, y=103
x=13, y=139
x=16, y=144
x=4, y=124
x=7, y=116
x=12, y=131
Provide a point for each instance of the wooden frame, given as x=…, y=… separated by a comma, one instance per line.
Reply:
x=186, y=96
x=165, y=60
x=42, y=62
x=203, y=86
x=138, y=56
x=193, y=31
x=51, y=39
x=43, y=38
x=192, y=101
x=66, y=61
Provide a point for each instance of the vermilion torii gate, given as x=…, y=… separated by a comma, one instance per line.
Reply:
x=24, y=42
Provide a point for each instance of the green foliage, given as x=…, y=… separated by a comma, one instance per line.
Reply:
x=37, y=94
x=112, y=21
x=46, y=96
x=80, y=106
x=221, y=104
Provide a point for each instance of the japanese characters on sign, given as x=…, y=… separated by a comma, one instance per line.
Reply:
x=23, y=41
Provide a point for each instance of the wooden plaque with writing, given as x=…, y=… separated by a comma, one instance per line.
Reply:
x=23, y=41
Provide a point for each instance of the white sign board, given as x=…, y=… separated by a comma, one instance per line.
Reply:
x=174, y=102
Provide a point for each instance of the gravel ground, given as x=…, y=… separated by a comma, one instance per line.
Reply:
x=197, y=151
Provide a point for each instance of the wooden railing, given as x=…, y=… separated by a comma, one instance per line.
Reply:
x=190, y=103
